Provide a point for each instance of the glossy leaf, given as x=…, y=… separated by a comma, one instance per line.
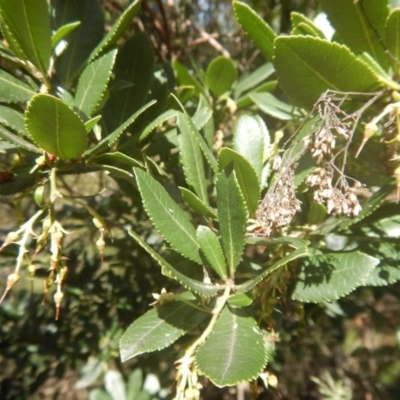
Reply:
x=196, y=204
x=251, y=137
x=328, y=277
x=91, y=123
x=118, y=29
x=18, y=141
x=110, y=139
x=221, y=74
x=191, y=157
x=302, y=25
x=232, y=216
x=28, y=22
x=270, y=105
x=159, y=328
x=246, y=177
x=136, y=53
x=251, y=283
x=253, y=79
x=82, y=40
x=116, y=159
x=237, y=343
x=307, y=67
x=62, y=32
x=13, y=119
x=360, y=25
x=55, y=128
x=170, y=221
x=259, y=31
x=93, y=83
x=211, y=248
x=201, y=288
x=13, y=90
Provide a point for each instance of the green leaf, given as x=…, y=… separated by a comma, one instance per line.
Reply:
x=269, y=104
x=82, y=40
x=259, y=32
x=19, y=142
x=117, y=31
x=164, y=117
x=110, y=139
x=307, y=67
x=13, y=90
x=28, y=22
x=234, y=351
x=159, y=328
x=199, y=138
x=134, y=65
x=241, y=299
x=251, y=137
x=302, y=25
x=245, y=100
x=90, y=123
x=278, y=241
x=185, y=78
x=392, y=34
x=211, y=248
x=387, y=271
x=93, y=83
x=13, y=119
x=328, y=277
x=232, y=216
x=114, y=384
x=116, y=159
x=196, y=204
x=167, y=217
x=246, y=177
x=360, y=25
x=250, y=81
x=203, y=289
x=55, y=128
x=17, y=184
x=62, y=32
x=134, y=384
x=251, y=283
x=192, y=158
x=221, y=75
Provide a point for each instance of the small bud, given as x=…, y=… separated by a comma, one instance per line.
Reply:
x=98, y=223
x=10, y=238
x=58, y=297
x=31, y=270
x=12, y=279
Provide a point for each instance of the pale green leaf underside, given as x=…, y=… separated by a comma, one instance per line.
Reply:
x=234, y=351
x=203, y=289
x=159, y=328
x=167, y=217
x=270, y=105
x=62, y=32
x=211, y=248
x=253, y=79
x=328, y=277
x=196, y=204
x=55, y=128
x=307, y=67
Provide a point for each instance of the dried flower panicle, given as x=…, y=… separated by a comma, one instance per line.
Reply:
x=338, y=201
x=279, y=206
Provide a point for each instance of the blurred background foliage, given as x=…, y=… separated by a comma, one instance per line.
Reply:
x=344, y=350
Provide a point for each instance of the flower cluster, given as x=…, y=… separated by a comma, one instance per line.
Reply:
x=339, y=201
x=279, y=206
